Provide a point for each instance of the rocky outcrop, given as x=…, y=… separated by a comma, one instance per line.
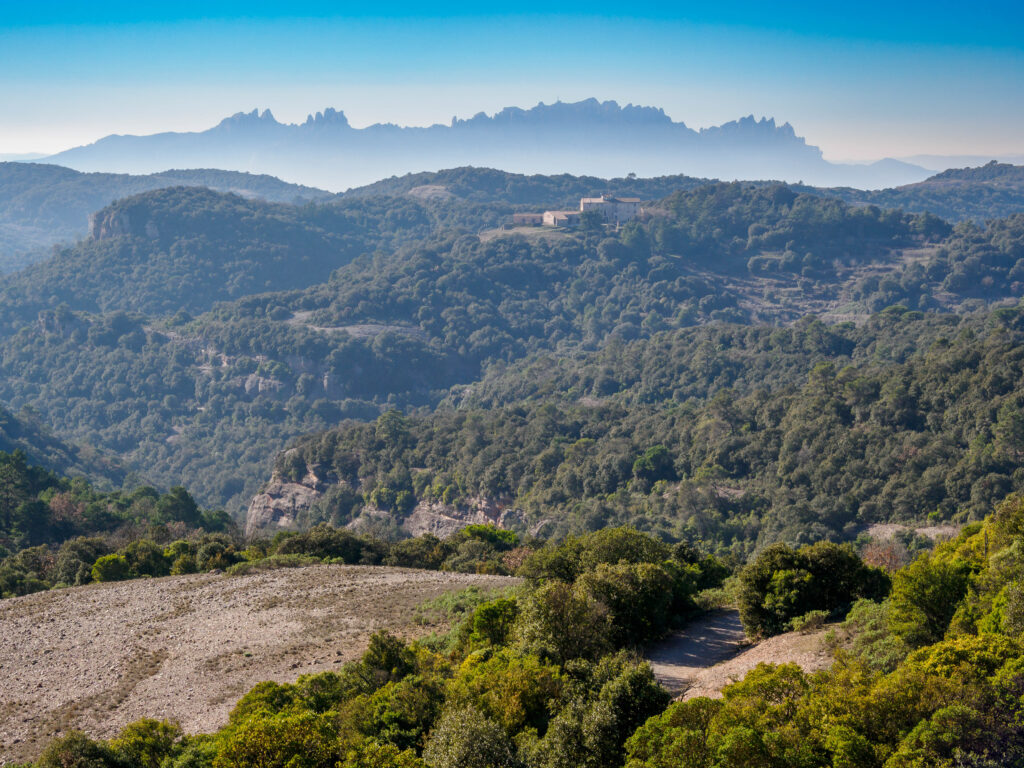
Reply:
x=277, y=508
x=444, y=520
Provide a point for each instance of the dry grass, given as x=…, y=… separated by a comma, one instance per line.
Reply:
x=186, y=647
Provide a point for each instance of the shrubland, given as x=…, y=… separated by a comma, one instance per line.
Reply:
x=927, y=674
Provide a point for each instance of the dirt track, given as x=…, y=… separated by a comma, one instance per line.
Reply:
x=712, y=652
x=187, y=647
x=678, y=659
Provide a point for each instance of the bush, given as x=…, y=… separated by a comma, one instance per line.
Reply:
x=287, y=740
x=809, y=622
x=925, y=595
x=271, y=563
x=782, y=584
x=76, y=750
x=465, y=738
x=147, y=743
x=111, y=568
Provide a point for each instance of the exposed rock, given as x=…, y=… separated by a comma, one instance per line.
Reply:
x=278, y=506
x=444, y=520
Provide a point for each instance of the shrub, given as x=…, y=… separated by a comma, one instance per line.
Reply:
x=782, y=584
x=147, y=743
x=925, y=595
x=465, y=738
x=809, y=622
x=76, y=750
x=111, y=568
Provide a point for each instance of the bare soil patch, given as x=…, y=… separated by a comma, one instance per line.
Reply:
x=809, y=651
x=185, y=648
x=886, y=531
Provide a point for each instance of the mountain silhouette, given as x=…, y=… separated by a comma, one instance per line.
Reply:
x=585, y=137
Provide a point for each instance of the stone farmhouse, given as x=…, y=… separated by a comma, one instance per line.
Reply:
x=561, y=218
x=614, y=211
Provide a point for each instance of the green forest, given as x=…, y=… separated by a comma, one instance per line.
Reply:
x=198, y=332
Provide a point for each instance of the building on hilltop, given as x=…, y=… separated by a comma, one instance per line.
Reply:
x=527, y=219
x=614, y=210
x=561, y=218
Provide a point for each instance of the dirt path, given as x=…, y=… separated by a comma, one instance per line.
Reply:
x=679, y=659
x=187, y=647
x=808, y=651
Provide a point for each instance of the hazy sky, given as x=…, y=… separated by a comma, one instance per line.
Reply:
x=861, y=80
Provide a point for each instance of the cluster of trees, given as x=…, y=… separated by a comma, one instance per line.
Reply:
x=931, y=676
x=56, y=531
x=975, y=265
x=782, y=584
x=995, y=190
x=487, y=185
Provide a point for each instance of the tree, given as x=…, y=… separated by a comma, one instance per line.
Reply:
x=925, y=595
x=76, y=750
x=147, y=743
x=111, y=568
x=465, y=738
x=558, y=623
x=782, y=584
x=287, y=740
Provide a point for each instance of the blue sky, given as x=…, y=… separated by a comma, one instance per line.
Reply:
x=862, y=80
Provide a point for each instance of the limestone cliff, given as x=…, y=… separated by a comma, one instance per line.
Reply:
x=278, y=506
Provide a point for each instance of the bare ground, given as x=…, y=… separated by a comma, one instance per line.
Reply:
x=186, y=648
x=678, y=659
x=807, y=650
x=713, y=652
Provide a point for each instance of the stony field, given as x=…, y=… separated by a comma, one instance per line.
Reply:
x=186, y=648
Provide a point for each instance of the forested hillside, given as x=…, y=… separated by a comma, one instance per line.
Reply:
x=25, y=433
x=992, y=191
x=42, y=205
x=733, y=436
x=989, y=192
x=129, y=341
x=488, y=185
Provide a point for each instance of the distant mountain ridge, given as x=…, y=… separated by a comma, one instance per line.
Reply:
x=990, y=191
x=585, y=138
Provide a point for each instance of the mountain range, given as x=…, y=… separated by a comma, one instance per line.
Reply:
x=586, y=137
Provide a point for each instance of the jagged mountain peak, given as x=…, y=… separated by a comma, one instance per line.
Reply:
x=242, y=119
x=330, y=116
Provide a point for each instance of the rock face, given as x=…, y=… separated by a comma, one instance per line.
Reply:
x=443, y=520
x=278, y=506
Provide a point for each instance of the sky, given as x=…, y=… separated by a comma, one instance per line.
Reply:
x=861, y=80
